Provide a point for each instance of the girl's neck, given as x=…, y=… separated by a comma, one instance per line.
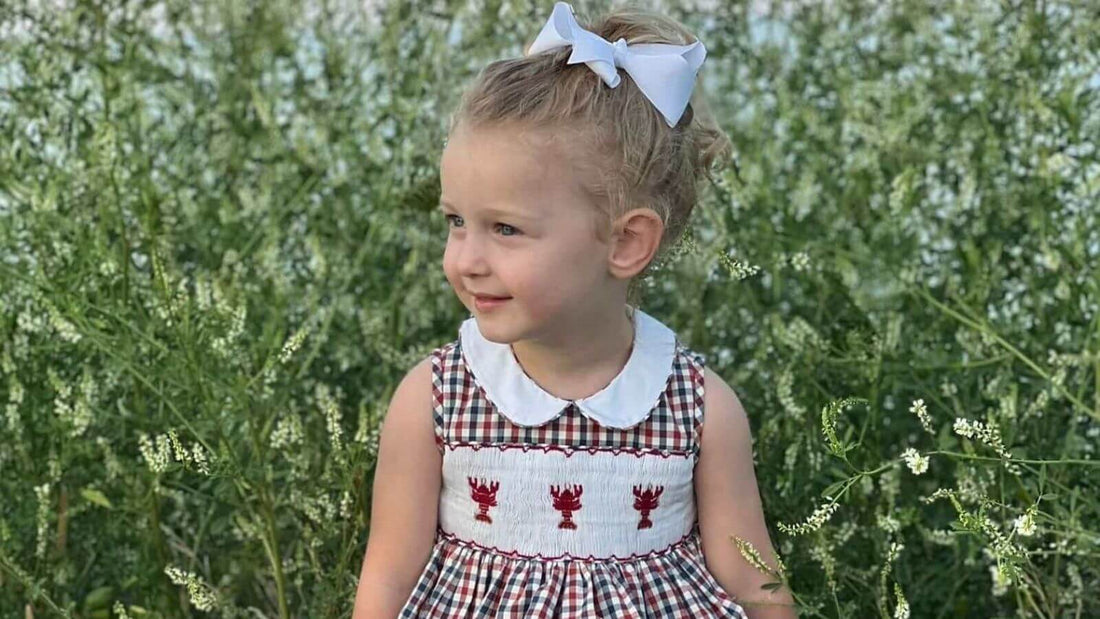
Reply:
x=581, y=360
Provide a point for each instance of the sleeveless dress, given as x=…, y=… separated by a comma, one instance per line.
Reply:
x=568, y=508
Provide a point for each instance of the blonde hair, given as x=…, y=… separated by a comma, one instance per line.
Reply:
x=622, y=149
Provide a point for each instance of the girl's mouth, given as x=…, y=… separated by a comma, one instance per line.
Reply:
x=487, y=303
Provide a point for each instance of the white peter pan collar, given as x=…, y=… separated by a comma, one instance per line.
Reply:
x=623, y=403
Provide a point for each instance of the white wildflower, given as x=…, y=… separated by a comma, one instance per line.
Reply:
x=1076, y=583
x=15, y=425
x=332, y=415
x=1035, y=408
x=901, y=611
x=177, y=448
x=916, y=462
x=888, y=523
x=921, y=412
x=43, y=494
x=941, y=537
x=53, y=466
x=30, y=323
x=821, y=552
x=222, y=345
x=345, y=506
x=15, y=398
x=292, y=344
x=15, y=390
x=784, y=385
x=1000, y=580
x=753, y=556
x=813, y=523
x=81, y=417
x=198, y=455
x=110, y=460
x=986, y=434
x=267, y=386
x=369, y=429
x=963, y=427
x=948, y=388
x=202, y=595
x=156, y=458
x=1025, y=524
x=287, y=432
x=892, y=332
x=65, y=329
x=737, y=268
x=108, y=268
x=804, y=333
x=894, y=550
x=800, y=261
x=203, y=297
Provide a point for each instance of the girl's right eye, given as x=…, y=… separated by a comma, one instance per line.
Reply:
x=515, y=231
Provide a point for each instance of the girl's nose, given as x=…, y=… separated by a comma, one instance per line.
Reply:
x=470, y=259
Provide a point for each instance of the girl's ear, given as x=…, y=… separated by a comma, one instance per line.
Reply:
x=637, y=235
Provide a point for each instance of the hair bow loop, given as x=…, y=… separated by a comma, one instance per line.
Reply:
x=664, y=73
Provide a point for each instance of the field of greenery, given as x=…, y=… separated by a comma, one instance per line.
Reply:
x=219, y=254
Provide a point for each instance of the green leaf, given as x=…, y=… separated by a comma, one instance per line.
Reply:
x=97, y=497
x=99, y=598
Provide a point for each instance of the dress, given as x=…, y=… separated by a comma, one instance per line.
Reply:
x=568, y=508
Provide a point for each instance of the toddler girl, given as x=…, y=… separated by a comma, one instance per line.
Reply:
x=550, y=461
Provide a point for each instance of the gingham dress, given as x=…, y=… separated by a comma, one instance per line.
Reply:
x=566, y=518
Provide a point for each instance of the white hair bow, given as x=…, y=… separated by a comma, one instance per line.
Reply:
x=664, y=73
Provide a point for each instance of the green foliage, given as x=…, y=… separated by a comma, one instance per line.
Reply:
x=218, y=255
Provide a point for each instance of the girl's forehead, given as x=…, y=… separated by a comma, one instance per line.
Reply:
x=522, y=151
x=500, y=165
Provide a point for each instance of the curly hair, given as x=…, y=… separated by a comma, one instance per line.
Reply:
x=623, y=151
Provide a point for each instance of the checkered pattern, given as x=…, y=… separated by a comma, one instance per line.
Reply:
x=464, y=579
x=463, y=414
x=460, y=581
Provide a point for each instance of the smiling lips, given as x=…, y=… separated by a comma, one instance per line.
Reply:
x=486, y=303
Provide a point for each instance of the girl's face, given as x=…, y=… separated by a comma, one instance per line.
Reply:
x=520, y=227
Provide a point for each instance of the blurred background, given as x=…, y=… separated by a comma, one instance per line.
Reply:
x=219, y=254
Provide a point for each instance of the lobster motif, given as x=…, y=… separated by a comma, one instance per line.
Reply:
x=567, y=502
x=645, y=502
x=485, y=496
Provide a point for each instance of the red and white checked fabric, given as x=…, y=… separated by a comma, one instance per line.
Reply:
x=568, y=518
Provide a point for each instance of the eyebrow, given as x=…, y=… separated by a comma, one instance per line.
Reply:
x=496, y=212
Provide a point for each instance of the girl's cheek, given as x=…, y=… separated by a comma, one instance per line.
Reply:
x=449, y=270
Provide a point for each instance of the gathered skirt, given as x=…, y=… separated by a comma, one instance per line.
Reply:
x=465, y=580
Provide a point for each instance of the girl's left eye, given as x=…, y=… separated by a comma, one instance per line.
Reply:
x=515, y=230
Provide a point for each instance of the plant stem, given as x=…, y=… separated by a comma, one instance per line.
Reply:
x=1021, y=356
x=970, y=457
x=271, y=545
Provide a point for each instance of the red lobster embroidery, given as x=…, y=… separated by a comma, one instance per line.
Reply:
x=485, y=496
x=567, y=502
x=645, y=502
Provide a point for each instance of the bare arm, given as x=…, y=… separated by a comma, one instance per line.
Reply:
x=405, y=500
x=729, y=505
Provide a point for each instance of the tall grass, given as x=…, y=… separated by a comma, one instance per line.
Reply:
x=219, y=254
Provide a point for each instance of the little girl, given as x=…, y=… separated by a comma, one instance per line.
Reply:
x=550, y=461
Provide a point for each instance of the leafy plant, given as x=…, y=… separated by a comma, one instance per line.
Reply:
x=219, y=252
